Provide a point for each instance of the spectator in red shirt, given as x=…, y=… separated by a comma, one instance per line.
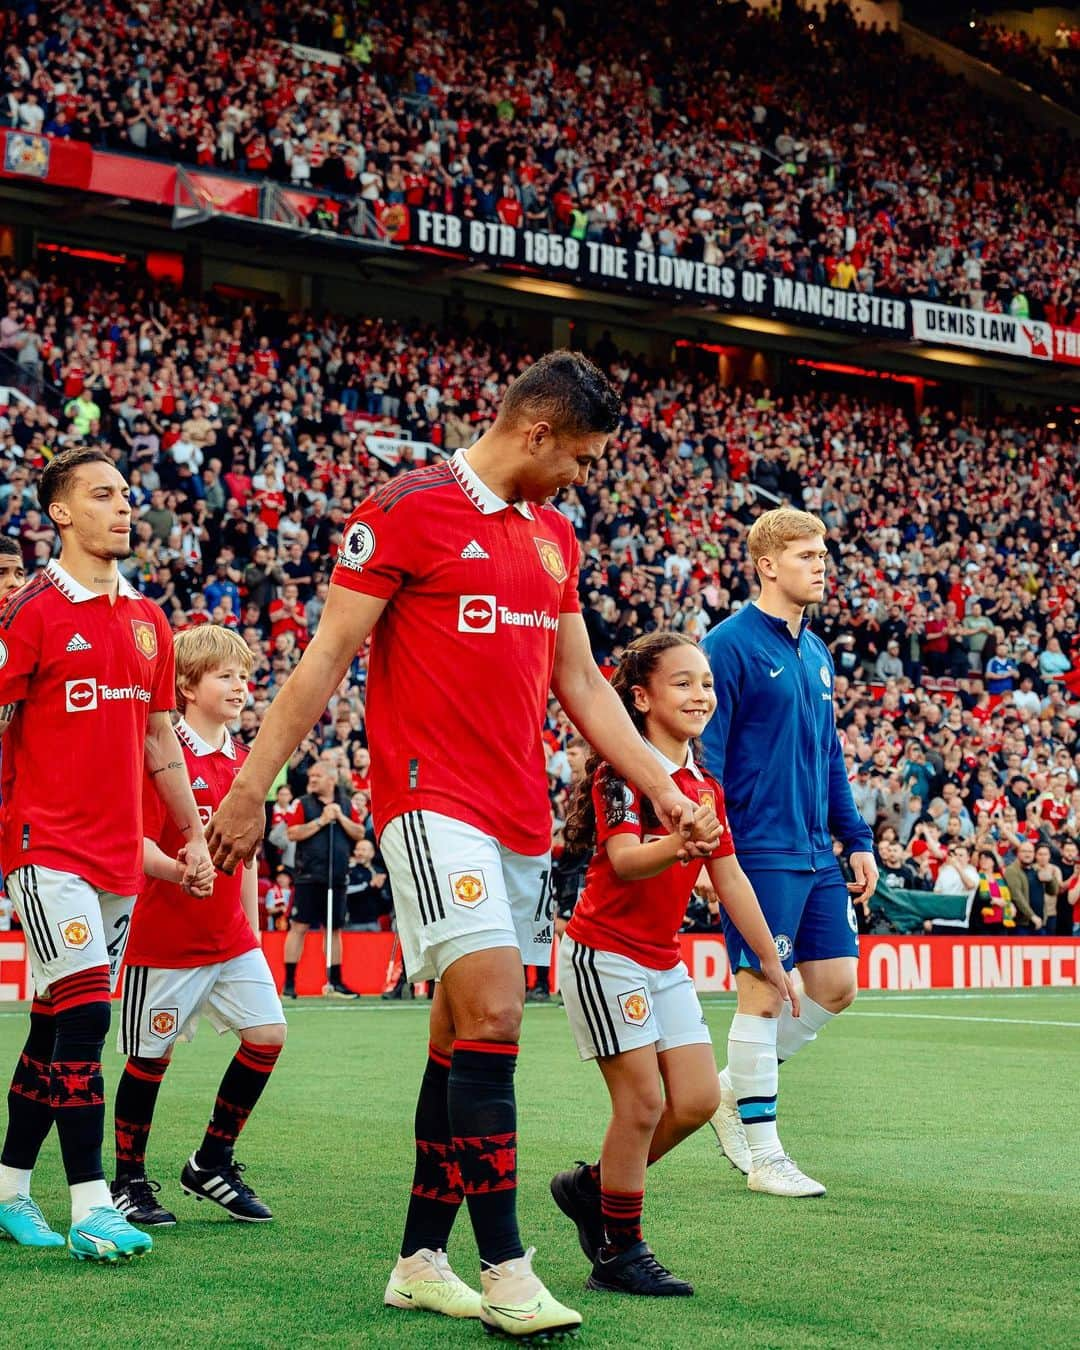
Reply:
x=509, y=208
x=238, y=482
x=264, y=360
x=935, y=645
x=287, y=615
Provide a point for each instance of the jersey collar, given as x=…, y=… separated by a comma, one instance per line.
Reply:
x=779, y=625
x=478, y=491
x=76, y=592
x=195, y=743
x=671, y=767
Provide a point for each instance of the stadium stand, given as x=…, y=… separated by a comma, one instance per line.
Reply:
x=1054, y=71
x=749, y=142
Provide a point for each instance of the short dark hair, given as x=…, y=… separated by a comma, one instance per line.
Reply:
x=567, y=390
x=9, y=548
x=56, y=479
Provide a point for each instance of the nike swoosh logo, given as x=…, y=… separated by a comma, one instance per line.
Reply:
x=520, y=1314
x=773, y=673
x=402, y=1294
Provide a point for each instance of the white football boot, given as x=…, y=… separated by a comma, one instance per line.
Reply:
x=729, y=1130
x=780, y=1175
x=425, y=1280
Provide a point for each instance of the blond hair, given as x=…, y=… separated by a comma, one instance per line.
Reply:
x=200, y=650
x=771, y=533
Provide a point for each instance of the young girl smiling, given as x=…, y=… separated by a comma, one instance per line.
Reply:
x=631, y=1003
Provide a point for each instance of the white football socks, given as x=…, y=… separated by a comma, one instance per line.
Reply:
x=752, y=1073
x=796, y=1032
x=14, y=1183
x=88, y=1195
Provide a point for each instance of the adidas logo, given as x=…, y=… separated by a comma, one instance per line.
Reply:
x=473, y=550
x=200, y=783
x=78, y=644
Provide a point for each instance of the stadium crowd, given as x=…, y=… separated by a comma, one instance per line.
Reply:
x=748, y=140
x=1054, y=71
x=246, y=436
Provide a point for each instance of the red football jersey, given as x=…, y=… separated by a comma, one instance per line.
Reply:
x=640, y=919
x=461, y=658
x=87, y=673
x=170, y=928
x=1054, y=812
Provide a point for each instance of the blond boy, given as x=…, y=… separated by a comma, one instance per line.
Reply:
x=189, y=958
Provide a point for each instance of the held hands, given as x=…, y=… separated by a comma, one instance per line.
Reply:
x=197, y=871
x=706, y=828
x=697, y=825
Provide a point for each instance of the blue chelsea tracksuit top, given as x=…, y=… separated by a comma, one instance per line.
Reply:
x=772, y=744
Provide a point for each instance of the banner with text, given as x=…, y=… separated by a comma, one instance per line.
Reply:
x=922, y=963
x=586, y=262
x=1001, y=333
x=1067, y=346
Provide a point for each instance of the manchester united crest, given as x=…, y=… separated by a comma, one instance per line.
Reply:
x=27, y=155
x=145, y=637
x=76, y=933
x=163, y=1021
x=551, y=558
x=708, y=800
x=634, y=1007
x=394, y=218
x=468, y=888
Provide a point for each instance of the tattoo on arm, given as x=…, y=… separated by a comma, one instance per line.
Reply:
x=173, y=764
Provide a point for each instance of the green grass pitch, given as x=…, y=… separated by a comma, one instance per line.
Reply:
x=945, y=1127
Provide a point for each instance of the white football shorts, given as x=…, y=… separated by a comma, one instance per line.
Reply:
x=457, y=891
x=615, y=1005
x=69, y=925
x=163, y=1006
